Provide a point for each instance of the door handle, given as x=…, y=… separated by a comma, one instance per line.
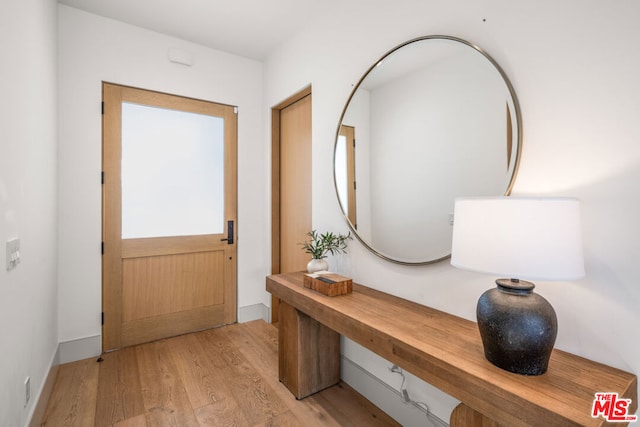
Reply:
x=229, y=238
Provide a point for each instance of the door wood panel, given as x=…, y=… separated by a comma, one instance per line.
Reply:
x=291, y=184
x=295, y=184
x=157, y=285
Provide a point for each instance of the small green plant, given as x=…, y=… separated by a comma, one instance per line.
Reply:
x=319, y=244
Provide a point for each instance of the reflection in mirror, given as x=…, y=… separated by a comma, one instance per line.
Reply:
x=436, y=119
x=346, y=172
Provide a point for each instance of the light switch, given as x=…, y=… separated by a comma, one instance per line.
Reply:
x=13, y=253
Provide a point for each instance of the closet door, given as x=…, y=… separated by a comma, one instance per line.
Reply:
x=291, y=185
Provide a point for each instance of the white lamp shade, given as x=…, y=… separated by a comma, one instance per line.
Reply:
x=519, y=237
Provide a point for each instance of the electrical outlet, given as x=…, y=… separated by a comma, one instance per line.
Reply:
x=27, y=390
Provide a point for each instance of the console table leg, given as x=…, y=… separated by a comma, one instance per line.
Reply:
x=464, y=416
x=308, y=353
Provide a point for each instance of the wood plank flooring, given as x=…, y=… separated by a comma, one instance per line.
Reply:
x=219, y=377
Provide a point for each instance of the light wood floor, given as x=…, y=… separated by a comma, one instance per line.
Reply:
x=220, y=377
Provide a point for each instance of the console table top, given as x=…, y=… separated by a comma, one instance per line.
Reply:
x=446, y=351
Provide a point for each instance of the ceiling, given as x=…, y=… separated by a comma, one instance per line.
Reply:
x=249, y=28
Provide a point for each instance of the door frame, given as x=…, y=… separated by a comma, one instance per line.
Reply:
x=275, y=187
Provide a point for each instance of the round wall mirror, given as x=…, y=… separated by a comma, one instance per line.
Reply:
x=434, y=119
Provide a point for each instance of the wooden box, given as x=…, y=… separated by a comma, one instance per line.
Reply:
x=329, y=284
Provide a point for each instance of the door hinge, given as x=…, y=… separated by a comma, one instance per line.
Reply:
x=102, y=248
x=354, y=186
x=102, y=315
x=354, y=143
x=235, y=110
x=102, y=177
x=102, y=107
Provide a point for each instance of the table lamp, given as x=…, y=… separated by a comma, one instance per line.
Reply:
x=518, y=238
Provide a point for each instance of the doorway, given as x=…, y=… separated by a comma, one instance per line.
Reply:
x=169, y=215
x=291, y=185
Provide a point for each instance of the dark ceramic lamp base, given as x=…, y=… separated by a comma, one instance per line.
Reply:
x=518, y=327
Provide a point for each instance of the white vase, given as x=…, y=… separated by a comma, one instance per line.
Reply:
x=317, y=265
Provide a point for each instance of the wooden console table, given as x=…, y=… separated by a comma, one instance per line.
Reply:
x=442, y=349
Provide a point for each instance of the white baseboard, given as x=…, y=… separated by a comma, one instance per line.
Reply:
x=385, y=396
x=36, y=415
x=254, y=312
x=79, y=349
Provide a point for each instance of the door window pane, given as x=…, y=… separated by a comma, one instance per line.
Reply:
x=172, y=173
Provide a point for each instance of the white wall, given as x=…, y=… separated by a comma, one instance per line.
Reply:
x=93, y=49
x=574, y=67
x=28, y=308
